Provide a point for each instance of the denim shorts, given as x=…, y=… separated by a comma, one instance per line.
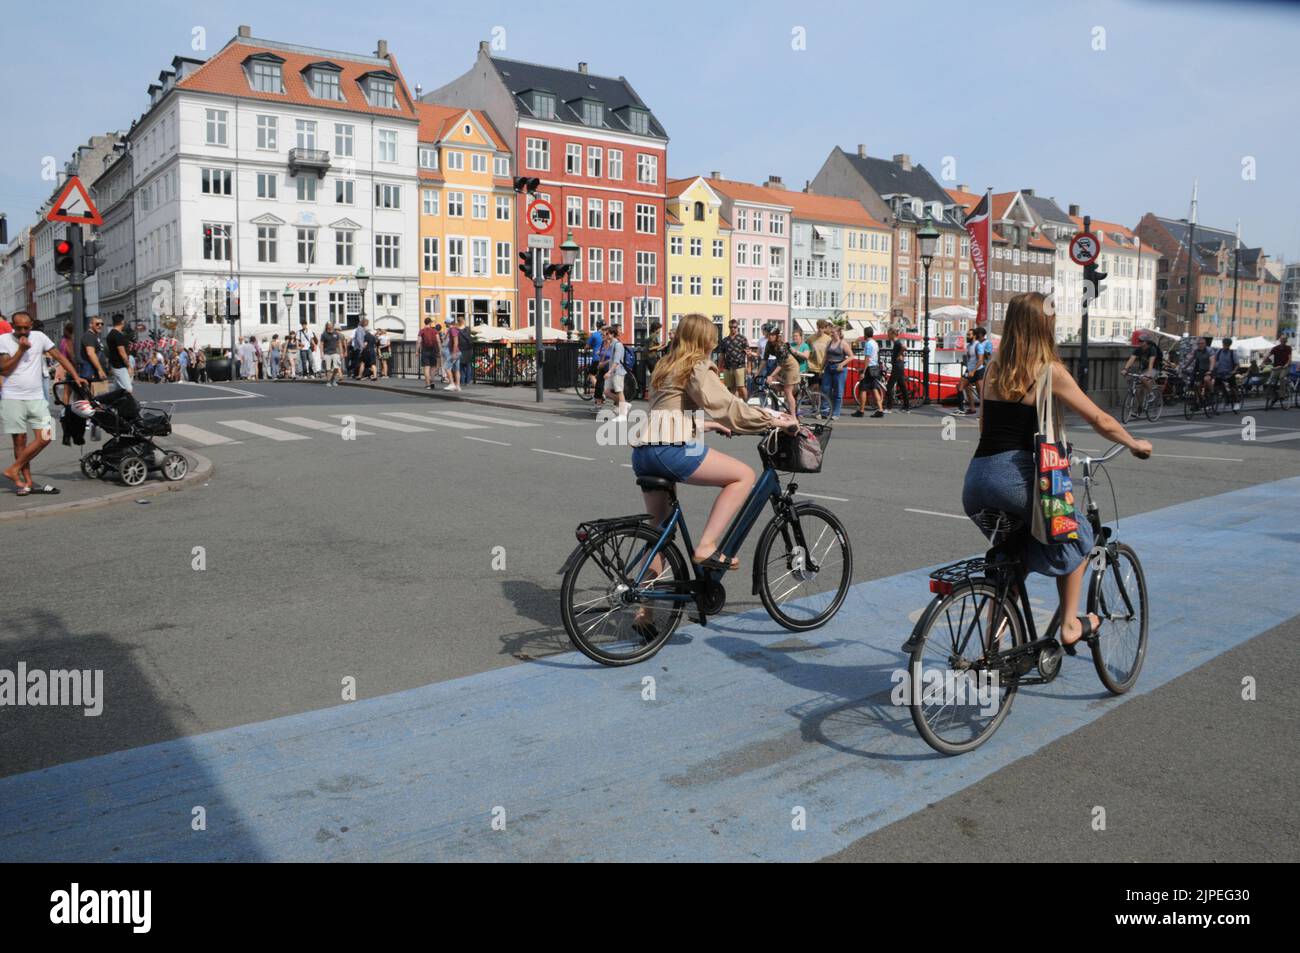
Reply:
x=672, y=461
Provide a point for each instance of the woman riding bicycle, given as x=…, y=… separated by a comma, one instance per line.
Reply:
x=685, y=382
x=1001, y=475
x=785, y=370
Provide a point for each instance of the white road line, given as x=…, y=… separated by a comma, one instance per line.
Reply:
x=556, y=453
x=1293, y=435
x=1179, y=456
x=1217, y=433
x=485, y=440
x=1157, y=430
x=422, y=418
x=818, y=496
x=951, y=516
x=491, y=420
x=200, y=436
x=383, y=424
x=261, y=430
x=324, y=425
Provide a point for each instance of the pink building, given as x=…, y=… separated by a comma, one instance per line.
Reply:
x=760, y=251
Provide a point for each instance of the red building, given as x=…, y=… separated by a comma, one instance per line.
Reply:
x=602, y=160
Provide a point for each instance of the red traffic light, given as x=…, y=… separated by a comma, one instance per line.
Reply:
x=62, y=247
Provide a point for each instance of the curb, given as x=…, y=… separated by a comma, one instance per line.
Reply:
x=484, y=401
x=202, y=470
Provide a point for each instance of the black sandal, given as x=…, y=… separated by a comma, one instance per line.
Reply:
x=1087, y=633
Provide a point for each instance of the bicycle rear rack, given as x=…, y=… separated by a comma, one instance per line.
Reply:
x=594, y=528
x=946, y=578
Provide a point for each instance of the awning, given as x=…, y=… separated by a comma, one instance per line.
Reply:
x=806, y=325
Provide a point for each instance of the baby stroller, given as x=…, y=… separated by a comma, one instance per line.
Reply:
x=130, y=454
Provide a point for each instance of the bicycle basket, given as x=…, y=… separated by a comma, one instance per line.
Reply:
x=802, y=452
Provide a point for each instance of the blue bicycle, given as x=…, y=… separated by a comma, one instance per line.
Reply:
x=627, y=585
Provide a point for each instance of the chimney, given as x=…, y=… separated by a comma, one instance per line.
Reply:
x=1074, y=210
x=483, y=48
x=807, y=186
x=381, y=49
x=582, y=68
x=418, y=90
x=904, y=160
x=1027, y=192
x=245, y=31
x=773, y=182
x=715, y=175
x=862, y=150
x=963, y=188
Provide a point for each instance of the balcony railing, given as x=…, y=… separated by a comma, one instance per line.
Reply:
x=312, y=160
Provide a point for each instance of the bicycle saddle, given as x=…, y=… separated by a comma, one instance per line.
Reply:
x=652, y=483
x=997, y=525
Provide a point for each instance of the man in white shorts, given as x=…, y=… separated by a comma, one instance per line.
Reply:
x=617, y=373
x=23, y=406
x=331, y=342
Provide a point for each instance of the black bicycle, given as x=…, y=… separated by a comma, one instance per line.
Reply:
x=627, y=585
x=976, y=642
x=1150, y=404
x=1196, y=397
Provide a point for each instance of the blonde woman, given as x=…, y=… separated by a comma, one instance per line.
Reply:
x=1001, y=475
x=685, y=382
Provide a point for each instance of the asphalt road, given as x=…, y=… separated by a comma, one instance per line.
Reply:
x=372, y=558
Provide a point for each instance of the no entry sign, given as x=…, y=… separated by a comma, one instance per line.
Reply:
x=1084, y=248
x=541, y=217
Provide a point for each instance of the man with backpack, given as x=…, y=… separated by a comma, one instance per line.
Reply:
x=616, y=373
x=1224, y=369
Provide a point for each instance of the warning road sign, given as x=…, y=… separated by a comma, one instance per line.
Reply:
x=541, y=217
x=1084, y=248
x=74, y=205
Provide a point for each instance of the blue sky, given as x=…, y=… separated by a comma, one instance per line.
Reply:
x=1013, y=91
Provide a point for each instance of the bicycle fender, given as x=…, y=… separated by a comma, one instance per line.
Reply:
x=572, y=560
x=922, y=623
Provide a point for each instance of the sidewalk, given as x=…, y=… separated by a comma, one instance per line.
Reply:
x=60, y=466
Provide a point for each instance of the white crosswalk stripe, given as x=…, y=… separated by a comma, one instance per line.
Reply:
x=322, y=425
x=382, y=424
x=261, y=430
x=500, y=421
x=1277, y=437
x=424, y=419
x=1159, y=430
x=1226, y=431
x=205, y=438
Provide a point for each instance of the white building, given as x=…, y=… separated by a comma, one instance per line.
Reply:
x=13, y=274
x=115, y=276
x=277, y=167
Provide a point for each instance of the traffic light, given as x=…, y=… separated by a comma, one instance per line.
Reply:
x=556, y=271
x=1092, y=282
x=526, y=263
x=525, y=184
x=207, y=241
x=90, y=257
x=63, y=258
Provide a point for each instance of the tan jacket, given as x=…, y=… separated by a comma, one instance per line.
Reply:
x=672, y=410
x=817, y=351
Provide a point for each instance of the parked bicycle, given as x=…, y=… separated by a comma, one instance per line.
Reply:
x=803, y=565
x=976, y=643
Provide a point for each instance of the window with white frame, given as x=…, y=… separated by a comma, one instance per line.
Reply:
x=776, y=292
x=614, y=159
x=307, y=307
x=504, y=258
x=344, y=134
x=616, y=265
x=595, y=213
x=455, y=160
x=478, y=265
x=595, y=264
x=697, y=248
x=573, y=211
x=383, y=93
x=456, y=204
x=387, y=145
x=344, y=247
x=268, y=307
x=388, y=196
x=216, y=182
x=267, y=128
x=697, y=285
x=455, y=256
x=741, y=286
x=267, y=242
x=325, y=84
x=756, y=255
x=306, y=187
x=537, y=154
x=478, y=162
x=306, y=246
x=647, y=219
x=344, y=190
x=215, y=127
x=573, y=158
x=615, y=215
x=266, y=77
x=647, y=268
x=675, y=284
x=388, y=251
x=647, y=168
x=500, y=166
x=305, y=133
x=337, y=303
x=674, y=244
x=428, y=157
x=266, y=185
x=429, y=201
x=429, y=258
x=595, y=156
x=478, y=206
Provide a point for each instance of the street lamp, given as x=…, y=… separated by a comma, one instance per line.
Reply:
x=287, y=295
x=363, y=280
x=570, y=250
x=927, y=240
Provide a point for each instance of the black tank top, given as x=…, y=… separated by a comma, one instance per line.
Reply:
x=1007, y=426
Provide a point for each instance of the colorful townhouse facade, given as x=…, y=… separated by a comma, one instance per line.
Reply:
x=467, y=218
x=601, y=158
x=699, y=252
x=760, y=251
x=840, y=263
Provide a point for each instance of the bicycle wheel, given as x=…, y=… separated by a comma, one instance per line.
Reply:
x=582, y=386
x=1155, y=404
x=795, y=594
x=807, y=403
x=956, y=703
x=1189, y=405
x=1127, y=410
x=1214, y=406
x=1118, y=595
x=597, y=617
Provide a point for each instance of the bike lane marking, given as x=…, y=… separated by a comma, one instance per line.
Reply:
x=750, y=724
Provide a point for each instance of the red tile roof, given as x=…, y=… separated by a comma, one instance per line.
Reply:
x=436, y=120
x=747, y=192
x=829, y=208
x=224, y=73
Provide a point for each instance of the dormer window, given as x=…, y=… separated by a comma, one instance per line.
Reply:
x=325, y=84
x=593, y=113
x=265, y=74
x=638, y=121
x=382, y=92
x=543, y=105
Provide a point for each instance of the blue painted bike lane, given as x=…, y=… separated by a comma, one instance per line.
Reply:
x=748, y=728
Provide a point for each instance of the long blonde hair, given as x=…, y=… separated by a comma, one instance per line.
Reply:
x=1028, y=344
x=694, y=340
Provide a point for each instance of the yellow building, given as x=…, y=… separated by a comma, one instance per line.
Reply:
x=867, y=257
x=467, y=209
x=699, y=252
